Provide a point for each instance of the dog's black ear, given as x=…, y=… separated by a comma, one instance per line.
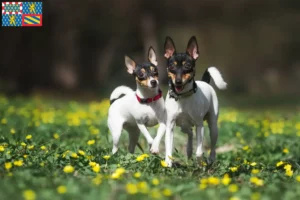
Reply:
x=169, y=47
x=152, y=56
x=130, y=64
x=192, y=48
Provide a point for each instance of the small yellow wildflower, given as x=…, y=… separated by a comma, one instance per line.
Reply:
x=279, y=163
x=61, y=189
x=106, y=157
x=245, y=148
x=2, y=148
x=74, y=155
x=96, y=168
x=18, y=163
x=253, y=164
x=289, y=173
x=287, y=167
x=143, y=187
x=68, y=169
x=8, y=165
x=92, y=164
x=155, y=181
x=213, y=180
x=233, y=169
x=137, y=174
x=97, y=180
x=204, y=181
x=131, y=188
x=30, y=147
x=80, y=152
x=43, y=148
x=163, y=163
x=55, y=136
x=285, y=150
x=91, y=142
x=118, y=173
x=4, y=121
x=23, y=144
x=140, y=158
x=12, y=131
x=233, y=188
x=255, y=196
x=25, y=155
x=167, y=192
x=202, y=186
x=234, y=198
x=29, y=195
x=298, y=178
x=28, y=137
x=255, y=171
x=226, y=179
x=155, y=194
x=257, y=181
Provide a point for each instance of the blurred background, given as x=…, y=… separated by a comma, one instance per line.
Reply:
x=80, y=49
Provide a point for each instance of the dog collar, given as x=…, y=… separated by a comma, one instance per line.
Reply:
x=177, y=96
x=149, y=100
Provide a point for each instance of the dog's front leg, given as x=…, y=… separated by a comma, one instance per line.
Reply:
x=160, y=133
x=199, y=138
x=145, y=132
x=169, y=142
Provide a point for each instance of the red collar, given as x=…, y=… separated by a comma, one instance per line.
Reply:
x=149, y=100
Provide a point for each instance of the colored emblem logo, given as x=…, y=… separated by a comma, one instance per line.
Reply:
x=22, y=13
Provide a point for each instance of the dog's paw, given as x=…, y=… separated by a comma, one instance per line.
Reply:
x=154, y=149
x=169, y=162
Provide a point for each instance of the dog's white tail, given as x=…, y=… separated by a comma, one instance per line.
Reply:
x=216, y=75
x=121, y=90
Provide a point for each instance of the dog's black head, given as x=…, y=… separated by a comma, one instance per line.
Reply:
x=181, y=66
x=146, y=74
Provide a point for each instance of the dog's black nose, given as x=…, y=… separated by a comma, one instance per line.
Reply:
x=153, y=83
x=178, y=81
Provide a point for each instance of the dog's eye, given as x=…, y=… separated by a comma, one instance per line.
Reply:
x=172, y=67
x=187, y=66
x=140, y=74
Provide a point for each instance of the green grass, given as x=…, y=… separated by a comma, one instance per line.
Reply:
x=251, y=145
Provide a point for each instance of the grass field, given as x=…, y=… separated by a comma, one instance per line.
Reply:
x=61, y=150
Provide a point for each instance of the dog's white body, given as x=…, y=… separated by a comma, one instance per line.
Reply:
x=192, y=111
x=129, y=113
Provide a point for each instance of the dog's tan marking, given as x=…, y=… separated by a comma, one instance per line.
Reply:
x=143, y=70
x=183, y=62
x=171, y=75
x=175, y=63
x=142, y=82
x=186, y=77
x=152, y=68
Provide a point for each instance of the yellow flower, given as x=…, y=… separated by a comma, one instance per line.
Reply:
x=233, y=188
x=143, y=187
x=106, y=157
x=204, y=181
x=167, y=192
x=140, y=158
x=298, y=178
x=82, y=153
x=12, y=131
x=285, y=150
x=29, y=195
x=8, y=165
x=74, y=155
x=255, y=171
x=163, y=163
x=289, y=173
x=25, y=155
x=4, y=121
x=155, y=181
x=97, y=180
x=257, y=181
x=245, y=148
x=30, y=147
x=155, y=194
x=287, y=167
x=202, y=186
x=226, y=179
x=91, y=142
x=23, y=144
x=28, y=137
x=234, y=198
x=92, y=164
x=137, y=175
x=18, y=163
x=61, y=189
x=253, y=164
x=279, y=163
x=131, y=188
x=255, y=196
x=96, y=168
x=55, y=136
x=43, y=148
x=213, y=180
x=68, y=169
x=2, y=148
x=233, y=169
x=118, y=173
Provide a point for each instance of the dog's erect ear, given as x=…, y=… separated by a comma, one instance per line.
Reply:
x=130, y=64
x=192, y=48
x=169, y=47
x=152, y=56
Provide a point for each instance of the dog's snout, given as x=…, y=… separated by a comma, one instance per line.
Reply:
x=153, y=83
x=178, y=81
